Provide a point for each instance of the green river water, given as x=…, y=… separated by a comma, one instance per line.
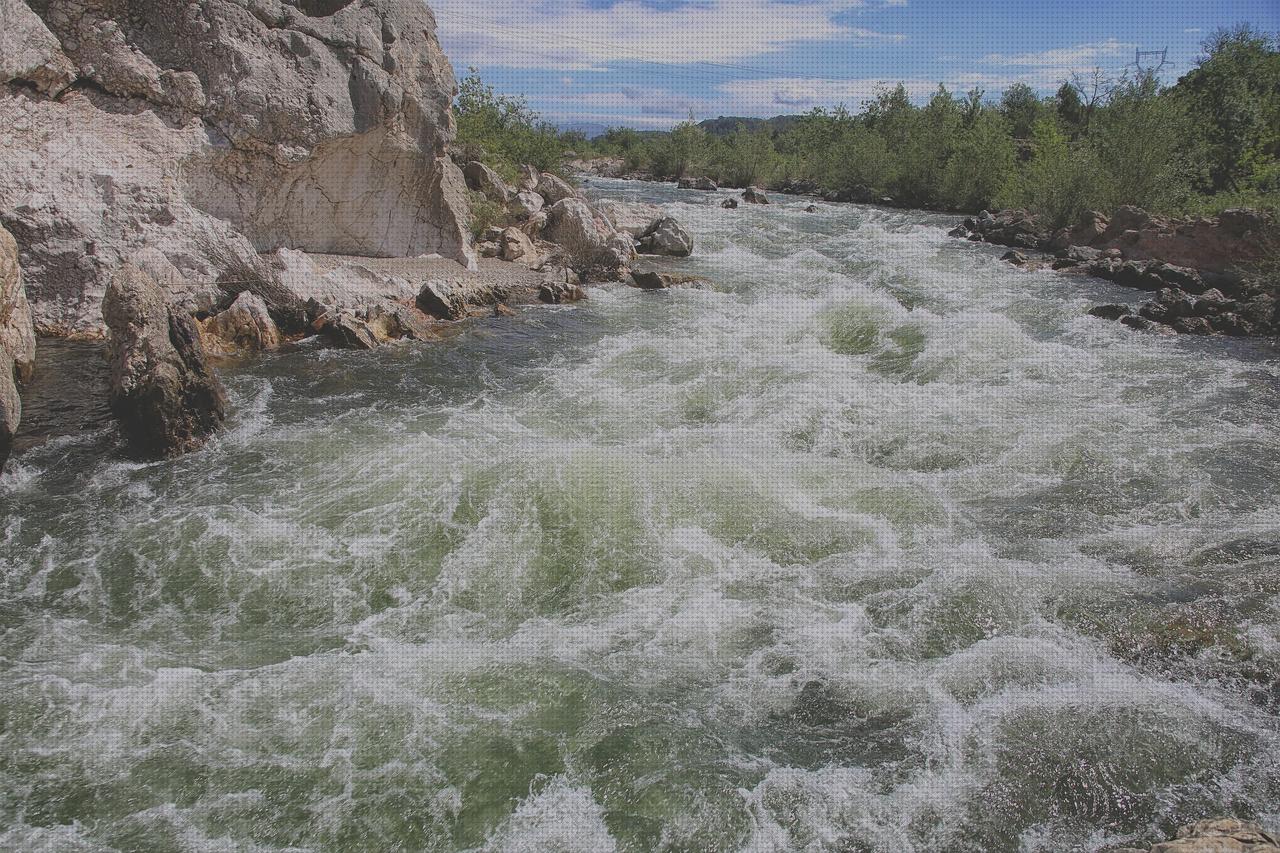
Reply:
x=879, y=545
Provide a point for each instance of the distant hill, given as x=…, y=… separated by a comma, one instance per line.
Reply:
x=726, y=125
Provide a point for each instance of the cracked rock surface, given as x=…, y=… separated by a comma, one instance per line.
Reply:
x=215, y=129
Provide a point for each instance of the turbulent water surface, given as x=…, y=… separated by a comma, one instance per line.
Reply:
x=878, y=545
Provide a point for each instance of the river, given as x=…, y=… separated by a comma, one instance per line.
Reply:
x=878, y=545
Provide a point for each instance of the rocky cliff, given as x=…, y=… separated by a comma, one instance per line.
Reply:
x=212, y=130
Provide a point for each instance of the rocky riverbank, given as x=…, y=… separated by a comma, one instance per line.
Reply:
x=250, y=175
x=1197, y=269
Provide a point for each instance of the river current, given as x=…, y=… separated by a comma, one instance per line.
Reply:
x=879, y=544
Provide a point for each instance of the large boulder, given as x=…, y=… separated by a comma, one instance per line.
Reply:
x=530, y=177
x=754, y=195
x=636, y=218
x=526, y=205
x=484, y=180
x=163, y=393
x=17, y=342
x=200, y=127
x=515, y=246
x=591, y=244
x=667, y=237
x=555, y=189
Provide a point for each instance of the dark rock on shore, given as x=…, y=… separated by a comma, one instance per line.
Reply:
x=163, y=393
x=654, y=280
x=1191, y=265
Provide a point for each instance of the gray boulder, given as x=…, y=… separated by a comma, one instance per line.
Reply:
x=635, y=218
x=554, y=189
x=162, y=392
x=484, y=180
x=526, y=204
x=589, y=241
x=754, y=195
x=667, y=237
x=654, y=280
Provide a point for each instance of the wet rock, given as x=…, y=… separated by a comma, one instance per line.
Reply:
x=1220, y=835
x=344, y=330
x=1065, y=263
x=813, y=208
x=560, y=290
x=1109, y=312
x=703, y=183
x=484, y=180
x=245, y=326
x=1193, y=326
x=667, y=237
x=960, y=231
x=438, y=298
x=1016, y=258
x=729, y=203
x=163, y=393
x=754, y=195
x=654, y=280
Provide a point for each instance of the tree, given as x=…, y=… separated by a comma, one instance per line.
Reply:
x=1233, y=96
x=1058, y=181
x=980, y=165
x=1070, y=108
x=1021, y=108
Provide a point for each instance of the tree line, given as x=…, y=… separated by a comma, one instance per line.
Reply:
x=1208, y=142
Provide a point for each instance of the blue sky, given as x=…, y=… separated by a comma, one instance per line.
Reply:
x=649, y=63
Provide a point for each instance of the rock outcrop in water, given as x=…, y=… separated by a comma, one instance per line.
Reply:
x=17, y=343
x=1219, y=835
x=215, y=129
x=163, y=393
x=1195, y=267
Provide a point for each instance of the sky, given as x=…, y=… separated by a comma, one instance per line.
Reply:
x=651, y=63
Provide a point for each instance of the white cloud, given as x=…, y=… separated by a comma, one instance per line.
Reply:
x=1082, y=56
x=574, y=36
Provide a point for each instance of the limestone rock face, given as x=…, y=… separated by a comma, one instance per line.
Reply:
x=1220, y=835
x=591, y=243
x=163, y=393
x=17, y=343
x=204, y=127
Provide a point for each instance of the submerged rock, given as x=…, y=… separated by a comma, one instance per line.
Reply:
x=729, y=203
x=163, y=393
